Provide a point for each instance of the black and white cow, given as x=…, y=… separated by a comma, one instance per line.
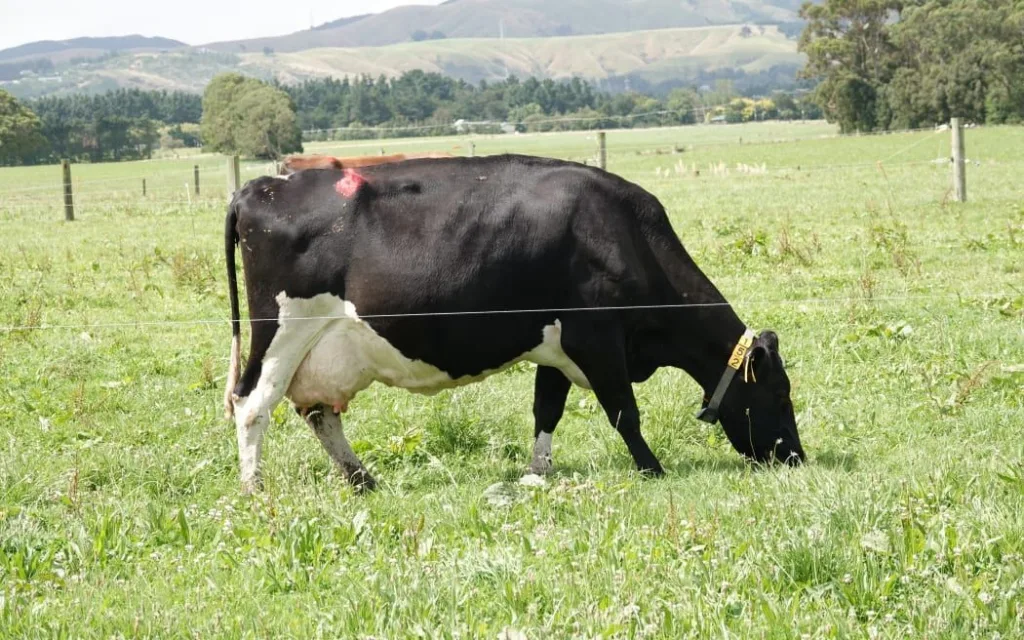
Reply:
x=433, y=273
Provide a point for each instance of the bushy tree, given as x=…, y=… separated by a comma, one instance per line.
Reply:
x=911, y=63
x=849, y=48
x=683, y=104
x=21, y=136
x=963, y=58
x=249, y=117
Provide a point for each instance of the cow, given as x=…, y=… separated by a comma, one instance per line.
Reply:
x=294, y=163
x=431, y=274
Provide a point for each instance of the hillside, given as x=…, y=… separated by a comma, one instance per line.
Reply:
x=521, y=19
x=648, y=58
x=648, y=55
x=57, y=51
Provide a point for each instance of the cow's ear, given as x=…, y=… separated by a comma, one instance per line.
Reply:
x=764, y=356
x=769, y=340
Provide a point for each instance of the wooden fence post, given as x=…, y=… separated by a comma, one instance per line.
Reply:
x=234, y=177
x=69, y=199
x=472, y=149
x=602, y=150
x=195, y=173
x=959, y=170
x=143, y=187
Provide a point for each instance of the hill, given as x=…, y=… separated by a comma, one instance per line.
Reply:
x=521, y=19
x=655, y=56
x=57, y=51
x=650, y=59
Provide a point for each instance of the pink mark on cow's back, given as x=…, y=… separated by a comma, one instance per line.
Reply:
x=349, y=184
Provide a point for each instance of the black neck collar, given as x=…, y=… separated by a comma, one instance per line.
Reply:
x=709, y=412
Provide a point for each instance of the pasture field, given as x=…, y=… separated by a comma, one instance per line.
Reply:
x=900, y=315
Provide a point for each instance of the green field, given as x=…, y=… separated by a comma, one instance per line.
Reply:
x=900, y=315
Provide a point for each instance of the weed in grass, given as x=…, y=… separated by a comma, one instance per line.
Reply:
x=1010, y=306
x=961, y=384
x=207, y=375
x=868, y=282
x=892, y=238
x=752, y=243
x=788, y=247
x=193, y=270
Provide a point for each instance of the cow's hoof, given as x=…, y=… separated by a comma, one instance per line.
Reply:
x=362, y=481
x=652, y=472
x=252, y=486
x=540, y=467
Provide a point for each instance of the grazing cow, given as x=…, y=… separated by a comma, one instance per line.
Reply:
x=295, y=163
x=430, y=274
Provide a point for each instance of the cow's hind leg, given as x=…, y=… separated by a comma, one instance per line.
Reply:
x=249, y=423
x=327, y=426
x=551, y=388
x=598, y=349
x=268, y=375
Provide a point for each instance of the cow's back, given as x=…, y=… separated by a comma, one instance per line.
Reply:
x=434, y=254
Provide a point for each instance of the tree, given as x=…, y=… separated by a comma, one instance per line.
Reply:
x=848, y=47
x=21, y=136
x=532, y=111
x=962, y=58
x=246, y=116
x=221, y=118
x=269, y=128
x=912, y=63
x=786, y=106
x=682, y=103
x=420, y=35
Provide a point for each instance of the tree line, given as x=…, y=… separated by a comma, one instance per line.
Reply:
x=126, y=124
x=237, y=114
x=426, y=104
x=893, y=64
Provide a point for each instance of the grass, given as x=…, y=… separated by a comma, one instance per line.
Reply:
x=900, y=315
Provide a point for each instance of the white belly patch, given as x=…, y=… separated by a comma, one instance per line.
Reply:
x=347, y=356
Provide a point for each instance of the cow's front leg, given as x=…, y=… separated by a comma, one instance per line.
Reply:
x=599, y=351
x=551, y=388
x=327, y=426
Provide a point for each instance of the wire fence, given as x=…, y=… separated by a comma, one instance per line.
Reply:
x=778, y=302
x=745, y=157
x=658, y=162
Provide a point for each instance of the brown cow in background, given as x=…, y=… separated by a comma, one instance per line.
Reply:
x=294, y=163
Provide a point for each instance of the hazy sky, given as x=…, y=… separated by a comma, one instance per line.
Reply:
x=191, y=21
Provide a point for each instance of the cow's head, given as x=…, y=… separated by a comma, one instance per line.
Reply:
x=756, y=410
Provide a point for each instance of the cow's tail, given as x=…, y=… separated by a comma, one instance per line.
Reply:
x=234, y=367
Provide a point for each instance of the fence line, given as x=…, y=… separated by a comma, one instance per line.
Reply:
x=78, y=182
x=503, y=312
x=612, y=148
x=670, y=175
x=735, y=169
x=191, y=174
